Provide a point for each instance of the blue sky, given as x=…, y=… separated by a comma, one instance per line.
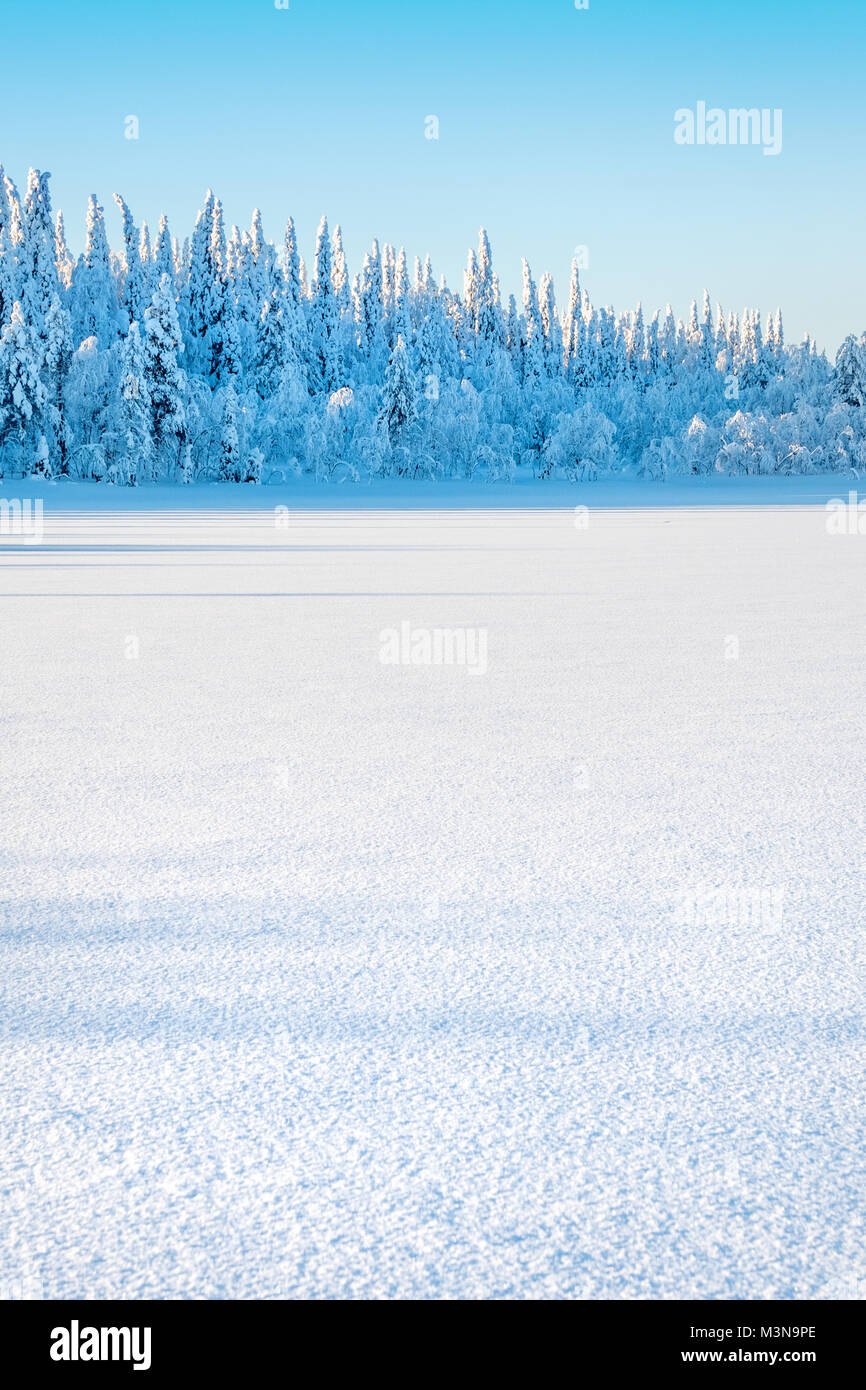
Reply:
x=555, y=131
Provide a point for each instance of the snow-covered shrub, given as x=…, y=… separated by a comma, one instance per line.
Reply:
x=747, y=445
x=659, y=458
x=700, y=446
x=253, y=468
x=580, y=446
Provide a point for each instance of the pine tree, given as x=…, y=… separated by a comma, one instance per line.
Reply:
x=272, y=348
x=42, y=460
x=533, y=348
x=323, y=318
x=399, y=409
x=653, y=349
x=63, y=258
x=8, y=275
x=291, y=267
x=164, y=379
x=135, y=410
x=163, y=257
x=221, y=338
x=22, y=394
x=13, y=213
x=370, y=306
x=196, y=299
x=135, y=295
x=550, y=325
x=401, y=323
x=636, y=343
x=339, y=273
x=260, y=264
x=94, y=293
x=37, y=269
x=56, y=362
x=572, y=313
x=849, y=376
x=230, y=451
x=5, y=207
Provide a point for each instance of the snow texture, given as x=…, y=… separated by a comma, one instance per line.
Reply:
x=329, y=978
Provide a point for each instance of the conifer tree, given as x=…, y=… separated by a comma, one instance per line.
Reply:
x=22, y=394
x=36, y=252
x=135, y=411
x=135, y=295
x=323, y=318
x=164, y=378
x=399, y=409
x=230, y=451
x=196, y=297
x=63, y=258
x=533, y=345
x=56, y=362
x=95, y=300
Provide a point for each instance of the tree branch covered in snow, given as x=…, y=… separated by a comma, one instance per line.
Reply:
x=220, y=358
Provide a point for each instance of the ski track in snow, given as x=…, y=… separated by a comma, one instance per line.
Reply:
x=327, y=978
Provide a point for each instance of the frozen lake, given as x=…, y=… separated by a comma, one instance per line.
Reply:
x=538, y=974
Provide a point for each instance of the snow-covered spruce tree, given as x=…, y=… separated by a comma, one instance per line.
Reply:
x=5, y=207
x=163, y=258
x=95, y=303
x=56, y=364
x=163, y=377
x=135, y=289
x=291, y=266
x=63, y=258
x=14, y=213
x=133, y=417
x=10, y=224
x=572, y=317
x=196, y=297
x=324, y=364
x=271, y=347
x=401, y=321
x=261, y=262
x=222, y=338
x=230, y=448
x=88, y=397
x=37, y=269
x=42, y=460
x=340, y=273
x=8, y=276
x=533, y=343
x=399, y=409
x=486, y=312
x=849, y=377
x=22, y=394
x=550, y=326
x=370, y=316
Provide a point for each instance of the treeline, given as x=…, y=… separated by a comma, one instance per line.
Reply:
x=221, y=357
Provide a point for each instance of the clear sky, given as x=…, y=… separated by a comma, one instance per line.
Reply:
x=555, y=131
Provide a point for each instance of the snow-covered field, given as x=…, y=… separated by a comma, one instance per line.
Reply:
x=536, y=976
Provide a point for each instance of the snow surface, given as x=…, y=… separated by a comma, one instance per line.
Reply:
x=322, y=977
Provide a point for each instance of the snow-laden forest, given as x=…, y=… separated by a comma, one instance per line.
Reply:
x=222, y=357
